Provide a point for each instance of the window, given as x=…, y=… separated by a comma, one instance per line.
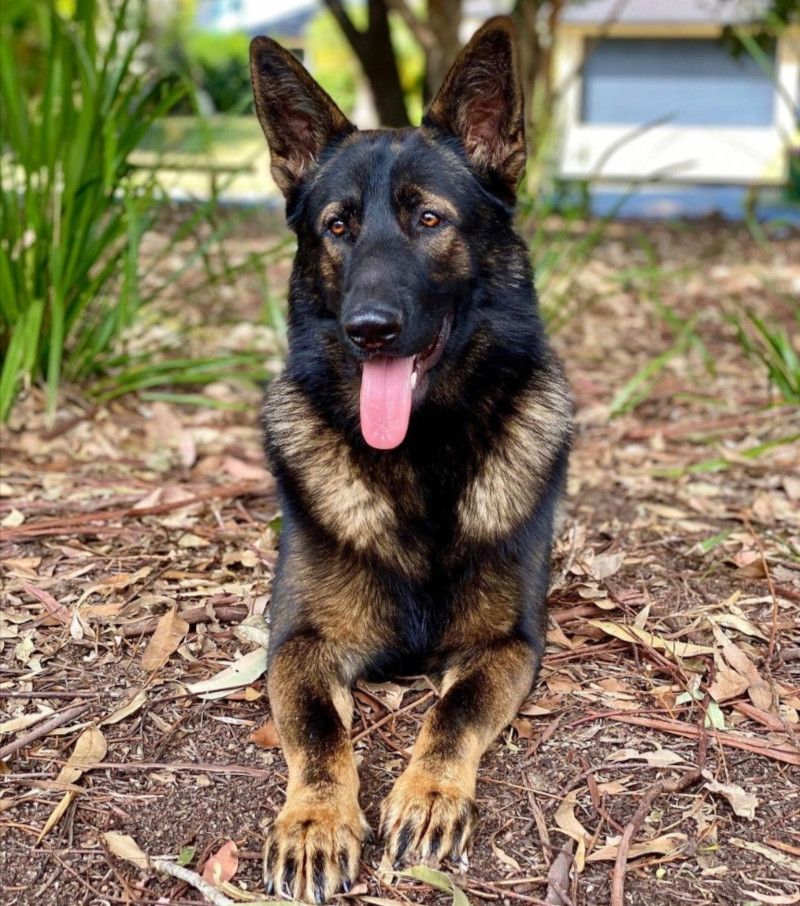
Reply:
x=691, y=82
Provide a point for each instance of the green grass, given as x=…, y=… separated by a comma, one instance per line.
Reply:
x=770, y=344
x=685, y=337
x=75, y=105
x=79, y=112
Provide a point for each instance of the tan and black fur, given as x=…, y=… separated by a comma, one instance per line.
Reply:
x=432, y=556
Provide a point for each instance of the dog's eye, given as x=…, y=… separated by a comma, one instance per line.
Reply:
x=337, y=227
x=429, y=219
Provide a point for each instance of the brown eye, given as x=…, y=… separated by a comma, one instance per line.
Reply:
x=337, y=227
x=429, y=219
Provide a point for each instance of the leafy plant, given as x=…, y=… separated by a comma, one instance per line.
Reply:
x=219, y=63
x=76, y=102
x=772, y=346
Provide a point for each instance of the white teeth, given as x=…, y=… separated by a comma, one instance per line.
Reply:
x=414, y=380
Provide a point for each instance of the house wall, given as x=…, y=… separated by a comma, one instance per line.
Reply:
x=752, y=153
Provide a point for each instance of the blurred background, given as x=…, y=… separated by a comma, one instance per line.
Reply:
x=128, y=130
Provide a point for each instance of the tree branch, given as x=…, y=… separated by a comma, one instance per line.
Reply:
x=423, y=34
x=353, y=35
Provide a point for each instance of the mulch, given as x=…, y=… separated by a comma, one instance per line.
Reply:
x=657, y=761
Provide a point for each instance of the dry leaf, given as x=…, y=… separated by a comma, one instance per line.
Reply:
x=168, y=635
x=727, y=684
x=126, y=710
x=89, y=749
x=266, y=736
x=162, y=496
x=743, y=804
x=649, y=639
x=739, y=623
x=24, y=649
x=503, y=856
x=54, y=608
x=438, y=880
x=254, y=630
x=774, y=855
x=598, y=566
x=665, y=845
x=556, y=636
x=191, y=541
x=24, y=721
x=777, y=899
x=757, y=688
x=125, y=847
x=222, y=865
x=611, y=788
x=13, y=519
x=247, y=558
x=240, y=673
x=246, y=471
x=660, y=758
x=569, y=824
x=523, y=727
x=391, y=693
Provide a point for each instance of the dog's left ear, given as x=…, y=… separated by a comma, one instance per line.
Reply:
x=481, y=104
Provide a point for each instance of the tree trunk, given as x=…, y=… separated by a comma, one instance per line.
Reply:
x=536, y=61
x=376, y=55
x=444, y=18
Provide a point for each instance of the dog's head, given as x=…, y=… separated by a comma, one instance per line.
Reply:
x=396, y=229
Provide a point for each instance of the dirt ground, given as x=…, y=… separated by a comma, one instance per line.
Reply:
x=657, y=762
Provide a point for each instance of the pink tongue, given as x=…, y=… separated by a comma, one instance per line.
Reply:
x=386, y=401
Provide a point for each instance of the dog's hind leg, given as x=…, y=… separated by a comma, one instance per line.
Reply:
x=312, y=849
x=431, y=812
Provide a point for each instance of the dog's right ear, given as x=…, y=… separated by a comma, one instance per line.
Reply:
x=297, y=116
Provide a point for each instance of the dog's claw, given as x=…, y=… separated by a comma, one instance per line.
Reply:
x=435, y=842
x=312, y=851
x=424, y=817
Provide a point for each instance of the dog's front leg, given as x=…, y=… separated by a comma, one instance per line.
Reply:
x=431, y=812
x=312, y=849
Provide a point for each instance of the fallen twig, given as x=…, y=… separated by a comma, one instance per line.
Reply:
x=199, y=767
x=785, y=752
x=558, y=876
x=663, y=786
x=387, y=717
x=227, y=613
x=681, y=429
x=212, y=894
x=57, y=720
x=91, y=521
x=505, y=892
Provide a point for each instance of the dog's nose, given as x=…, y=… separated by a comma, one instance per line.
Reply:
x=372, y=328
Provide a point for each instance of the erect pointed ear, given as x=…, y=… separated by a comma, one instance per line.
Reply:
x=480, y=103
x=297, y=116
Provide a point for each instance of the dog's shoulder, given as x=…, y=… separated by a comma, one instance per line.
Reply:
x=521, y=460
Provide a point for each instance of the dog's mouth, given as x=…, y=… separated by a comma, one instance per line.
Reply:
x=390, y=385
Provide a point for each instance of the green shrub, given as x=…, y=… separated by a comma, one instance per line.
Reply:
x=218, y=64
x=76, y=102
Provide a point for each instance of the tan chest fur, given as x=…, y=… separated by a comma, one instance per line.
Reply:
x=515, y=473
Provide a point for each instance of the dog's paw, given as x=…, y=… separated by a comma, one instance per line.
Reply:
x=426, y=818
x=312, y=850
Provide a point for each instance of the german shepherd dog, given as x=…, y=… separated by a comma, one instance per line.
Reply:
x=419, y=435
